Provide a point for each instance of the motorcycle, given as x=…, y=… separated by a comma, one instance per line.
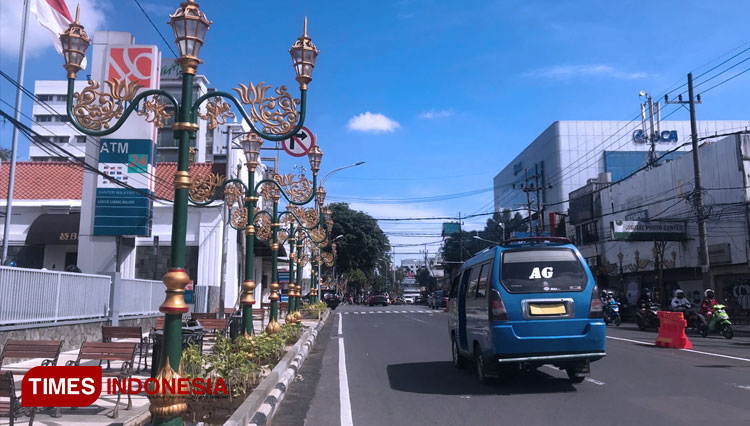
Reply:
x=612, y=312
x=693, y=318
x=646, y=316
x=719, y=322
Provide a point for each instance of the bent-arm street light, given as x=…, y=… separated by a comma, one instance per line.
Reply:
x=477, y=237
x=273, y=118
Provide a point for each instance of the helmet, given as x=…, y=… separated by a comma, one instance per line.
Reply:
x=709, y=293
x=679, y=293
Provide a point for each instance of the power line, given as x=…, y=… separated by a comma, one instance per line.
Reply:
x=169, y=46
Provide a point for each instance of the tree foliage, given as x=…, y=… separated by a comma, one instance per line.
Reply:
x=363, y=246
x=5, y=154
x=462, y=246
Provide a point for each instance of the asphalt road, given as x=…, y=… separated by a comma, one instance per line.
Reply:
x=398, y=372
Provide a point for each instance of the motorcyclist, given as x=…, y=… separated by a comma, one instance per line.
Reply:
x=707, y=306
x=645, y=300
x=680, y=302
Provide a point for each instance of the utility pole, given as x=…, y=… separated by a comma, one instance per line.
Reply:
x=425, y=259
x=525, y=187
x=539, y=188
x=14, y=140
x=653, y=131
x=699, y=207
x=460, y=240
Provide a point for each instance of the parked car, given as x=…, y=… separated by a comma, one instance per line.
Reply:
x=330, y=297
x=526, y=303
x=436, y=300
x=379, y=299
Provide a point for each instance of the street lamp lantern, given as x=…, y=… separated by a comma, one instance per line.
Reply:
x=251, y=144
x=320, y=194
x=189, y=24
x=74, y=41
x=304, y=53
x=315, y=155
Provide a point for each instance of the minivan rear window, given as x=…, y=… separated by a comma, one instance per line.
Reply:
x=542, y=271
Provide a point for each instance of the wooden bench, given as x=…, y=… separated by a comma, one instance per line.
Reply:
x=120, y=332
x=10, y=406
x=213, y=327
x=110, y=351
x=47, y=350
x=202, y=315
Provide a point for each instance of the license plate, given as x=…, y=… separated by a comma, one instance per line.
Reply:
x=547, y=309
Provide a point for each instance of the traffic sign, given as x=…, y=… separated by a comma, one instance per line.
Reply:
x=299, y=145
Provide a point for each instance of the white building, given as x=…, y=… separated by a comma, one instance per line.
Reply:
x=52, y=222
x=569, y=153
x=648, y=222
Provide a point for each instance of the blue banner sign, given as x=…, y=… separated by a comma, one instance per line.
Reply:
x=120, y=210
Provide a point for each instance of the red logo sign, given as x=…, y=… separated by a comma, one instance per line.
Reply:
x=135, y=63
x=61, y=386
x=73, y=386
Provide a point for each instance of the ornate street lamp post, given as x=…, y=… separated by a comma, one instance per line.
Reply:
x=94, y=109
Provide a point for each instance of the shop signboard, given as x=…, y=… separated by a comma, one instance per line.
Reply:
x=124, y=190
x=641, y=230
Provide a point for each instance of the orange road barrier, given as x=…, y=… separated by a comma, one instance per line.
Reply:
x=672, y=331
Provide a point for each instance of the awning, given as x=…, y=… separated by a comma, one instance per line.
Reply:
x=54, y=229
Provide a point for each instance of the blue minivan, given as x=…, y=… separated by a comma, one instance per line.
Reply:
x=523, y=304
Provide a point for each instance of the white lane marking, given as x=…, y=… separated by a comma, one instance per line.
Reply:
x=345, y=401
x=686, y=350
x=744, y=387
x=347, y=313
x=418, y=320
x=719, y=355
x=588, y=379
x=630, y=340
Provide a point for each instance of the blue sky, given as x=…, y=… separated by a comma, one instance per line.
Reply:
x=436, y=96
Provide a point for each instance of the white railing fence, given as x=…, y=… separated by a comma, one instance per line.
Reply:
x=33, y=296
x=138, y=297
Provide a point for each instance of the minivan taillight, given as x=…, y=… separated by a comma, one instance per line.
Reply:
x=596, y=310
x=497, y=308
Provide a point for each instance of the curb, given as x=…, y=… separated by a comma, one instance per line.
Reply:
x=260, y=406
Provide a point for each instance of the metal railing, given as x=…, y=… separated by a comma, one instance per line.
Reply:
x=140, y=297
x=33, y=296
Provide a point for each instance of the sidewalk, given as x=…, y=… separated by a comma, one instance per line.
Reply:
x=99, y=413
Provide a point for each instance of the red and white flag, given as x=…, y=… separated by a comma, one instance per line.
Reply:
x=55, y=16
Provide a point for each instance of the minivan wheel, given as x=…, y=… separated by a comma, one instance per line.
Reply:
x=458, y=360
x=479, y=368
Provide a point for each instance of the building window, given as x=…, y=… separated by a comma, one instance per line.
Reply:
x=81, y=139
x=61, y=98
x=44, y=98
x=587, y=233
x=43, y=118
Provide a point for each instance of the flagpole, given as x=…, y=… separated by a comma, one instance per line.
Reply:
x=14, y=146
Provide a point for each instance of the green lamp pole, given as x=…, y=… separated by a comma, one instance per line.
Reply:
x=189, y=24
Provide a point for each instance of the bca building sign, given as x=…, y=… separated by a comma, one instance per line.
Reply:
x=639, y=136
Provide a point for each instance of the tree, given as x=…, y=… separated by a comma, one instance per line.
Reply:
x=426, y=280
x=364, y=245
x=5, y=154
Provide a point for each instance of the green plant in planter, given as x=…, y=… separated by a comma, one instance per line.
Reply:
x=290, y=333
x=265, y=348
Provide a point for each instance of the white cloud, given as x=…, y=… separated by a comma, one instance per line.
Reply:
x=432, y=114
x=591, y=70
x=375, y=123
x=38, y=38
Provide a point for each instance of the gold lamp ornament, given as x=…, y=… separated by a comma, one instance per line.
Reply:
x=251, y=144
x=315, y=155
x=74, y=41
x=320, y=194
x=304, y=53
x=189, y=24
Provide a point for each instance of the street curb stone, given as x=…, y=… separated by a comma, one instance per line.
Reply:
x=259, y=408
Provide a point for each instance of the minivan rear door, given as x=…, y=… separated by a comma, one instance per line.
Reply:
x=544, y=283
